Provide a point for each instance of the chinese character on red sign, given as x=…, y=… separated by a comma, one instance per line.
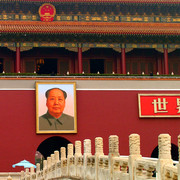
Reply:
x=159, y=105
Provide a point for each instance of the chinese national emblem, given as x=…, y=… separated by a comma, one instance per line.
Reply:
x=47, y=12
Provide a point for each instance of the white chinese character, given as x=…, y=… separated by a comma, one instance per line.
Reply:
x=178, y=104
x=160, y=105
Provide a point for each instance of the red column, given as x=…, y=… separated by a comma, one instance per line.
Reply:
x=166, y=67
x=80, y=60
x=123, y=59
x=18, y=61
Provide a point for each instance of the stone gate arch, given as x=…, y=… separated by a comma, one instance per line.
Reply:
x=51, y=144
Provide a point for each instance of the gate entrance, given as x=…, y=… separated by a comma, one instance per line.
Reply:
x=48, y=146
x=1, y=65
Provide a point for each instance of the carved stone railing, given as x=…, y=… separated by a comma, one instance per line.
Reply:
x=108, y=167
x=10, y=175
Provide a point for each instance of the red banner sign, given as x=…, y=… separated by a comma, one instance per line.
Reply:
x=159, y=105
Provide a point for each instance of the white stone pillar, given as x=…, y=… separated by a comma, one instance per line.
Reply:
x=49, y=167
x=52, y=166
x=52, y=158
x=38, y=173
x=78, y=148
x=27, y=174
x=78, y=154
x=22, y=175
x=70, y=150
x=56, y=159
x=32, y=169
x=56, y=156
x=48, y=162
x=69, y=156
x=63, y=153
x=98, y=152
x=9, y=178
x=45, y=169
x=113, y=150
x=164, y=145
x=38, y=167
x=64, y=171
x=134, y=151
x=87, y=151
x=32, y=174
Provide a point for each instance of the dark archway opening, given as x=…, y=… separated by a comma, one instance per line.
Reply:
x=174, y=152
x=48, y=146
x=97, y=65
x=46, y=66
x=1, y=65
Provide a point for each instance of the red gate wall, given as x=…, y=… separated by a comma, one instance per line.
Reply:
x=99, y=113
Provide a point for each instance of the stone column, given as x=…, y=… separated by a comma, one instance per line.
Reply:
x=38, y=167
x=70, y=150
x=78, y=148
x=32, y=173
x=63, y=153
x=134, y=151
x=56, y=156
x=166, y=66
x=70, y=155
x=98, y=152
x=43, y=173
x=64, y=169
x=52, y=158
x=80, y=66
x=123, y=60
x=18, y=60
x=22, y=175
x=48, y=162
x=113, y=150
x=57, y=163
x=27, y=174
x=49, y=167
x=53, y=166
x=45, y=169
x=38, y=173
x=9, y=178
x=87, y=151
x=78, y=153
x=164, y=145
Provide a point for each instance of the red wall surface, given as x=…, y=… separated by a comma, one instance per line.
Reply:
x=99, y=114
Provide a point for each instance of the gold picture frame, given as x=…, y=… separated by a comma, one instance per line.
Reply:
x=56, y=107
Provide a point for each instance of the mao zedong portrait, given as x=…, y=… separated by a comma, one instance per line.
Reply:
x=55, y=119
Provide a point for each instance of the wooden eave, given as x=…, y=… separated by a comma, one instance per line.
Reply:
x=106, y=28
